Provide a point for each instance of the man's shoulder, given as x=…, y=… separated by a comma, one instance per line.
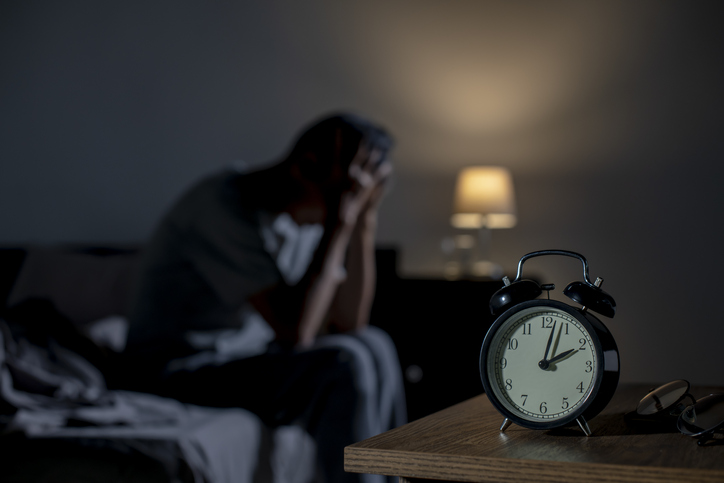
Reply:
x=214, y=195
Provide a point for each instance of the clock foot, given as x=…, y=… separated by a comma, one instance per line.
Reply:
x=505, y=424
x=584, y=426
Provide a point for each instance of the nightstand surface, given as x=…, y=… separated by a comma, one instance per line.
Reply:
x=463, y=443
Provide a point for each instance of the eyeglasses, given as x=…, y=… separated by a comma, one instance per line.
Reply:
x=665, y=408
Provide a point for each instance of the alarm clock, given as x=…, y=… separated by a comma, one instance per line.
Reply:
x=545, y=364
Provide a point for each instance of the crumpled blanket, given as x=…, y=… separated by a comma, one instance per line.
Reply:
x=59, y=394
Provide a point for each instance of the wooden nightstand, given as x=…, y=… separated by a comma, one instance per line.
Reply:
x=463, y=444
x=438, y=327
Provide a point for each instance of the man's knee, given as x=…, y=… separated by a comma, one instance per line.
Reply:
x=379, y=342
x=354, y=368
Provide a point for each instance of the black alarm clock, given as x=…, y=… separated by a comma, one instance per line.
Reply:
x=545, y=364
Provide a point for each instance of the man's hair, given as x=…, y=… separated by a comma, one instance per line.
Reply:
x=336, y=139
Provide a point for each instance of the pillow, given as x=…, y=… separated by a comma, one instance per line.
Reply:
x=83, y=287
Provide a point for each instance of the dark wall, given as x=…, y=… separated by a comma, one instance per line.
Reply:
x=607, y=113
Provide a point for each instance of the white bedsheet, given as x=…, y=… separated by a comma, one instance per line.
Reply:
x=59, y=394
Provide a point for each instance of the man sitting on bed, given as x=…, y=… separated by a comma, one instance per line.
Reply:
x=256, y=287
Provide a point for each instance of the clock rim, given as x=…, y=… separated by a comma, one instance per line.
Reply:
x=588, y=408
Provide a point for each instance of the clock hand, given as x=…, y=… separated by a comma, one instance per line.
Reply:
x=560, y=356
x=554, y=347
x=543, y=364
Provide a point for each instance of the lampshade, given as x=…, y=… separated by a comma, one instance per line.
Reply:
x=484, y=197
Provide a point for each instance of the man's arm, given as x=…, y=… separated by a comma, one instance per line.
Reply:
x=351, y=307
x=297, y=313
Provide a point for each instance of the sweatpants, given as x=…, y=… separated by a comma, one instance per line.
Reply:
x=346, y=388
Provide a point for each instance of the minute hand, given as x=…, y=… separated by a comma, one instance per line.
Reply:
x=561, y=356
x=550, y=339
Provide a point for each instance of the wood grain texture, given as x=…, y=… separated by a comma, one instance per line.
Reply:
x=463, y=443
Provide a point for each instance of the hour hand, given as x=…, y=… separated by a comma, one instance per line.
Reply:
x=562, y=355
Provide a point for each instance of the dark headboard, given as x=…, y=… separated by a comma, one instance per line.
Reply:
x=85, y=283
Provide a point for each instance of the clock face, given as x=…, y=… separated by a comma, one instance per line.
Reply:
x=542, y=364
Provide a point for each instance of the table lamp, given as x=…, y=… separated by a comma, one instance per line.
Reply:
x=484, y=201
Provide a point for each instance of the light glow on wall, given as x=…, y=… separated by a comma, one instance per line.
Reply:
x=518, y=84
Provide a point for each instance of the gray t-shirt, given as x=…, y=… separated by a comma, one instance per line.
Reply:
x=208, y=255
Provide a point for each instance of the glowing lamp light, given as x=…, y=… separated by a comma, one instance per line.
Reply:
x=484, y=198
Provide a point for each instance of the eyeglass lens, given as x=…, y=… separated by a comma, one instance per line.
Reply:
x=663, y=397
x=707, y=415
